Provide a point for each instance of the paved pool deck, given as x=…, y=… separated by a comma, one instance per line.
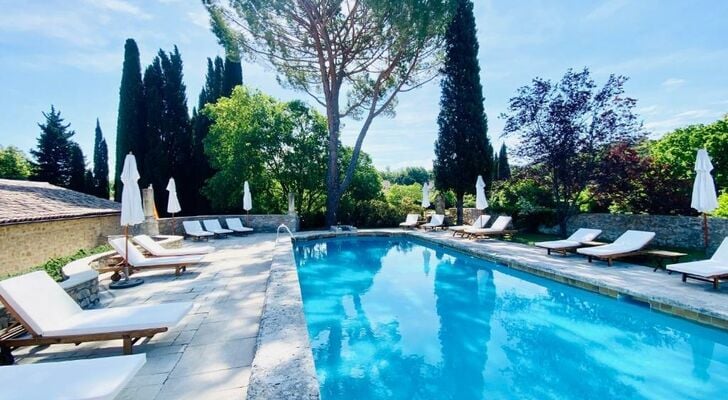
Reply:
x=209, y=354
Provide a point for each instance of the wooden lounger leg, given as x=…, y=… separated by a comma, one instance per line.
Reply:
x=716, y=284
x=609, y=261
x=6, y=356
x=548, y=251
x=589, y=258
x=127, y=345
x=684, y=277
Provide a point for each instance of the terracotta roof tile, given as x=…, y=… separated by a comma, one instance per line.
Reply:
x=25, y=201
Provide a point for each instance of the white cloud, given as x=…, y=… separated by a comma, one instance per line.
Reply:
x=200, y=18
x=119, y=6
x=684, y=118
x=671, y=83
x=64, y=26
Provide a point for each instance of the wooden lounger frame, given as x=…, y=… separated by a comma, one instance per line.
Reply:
x=715, y=280
x=178, y=269
x=21, y=334
x=504, y=233
x=660, y=254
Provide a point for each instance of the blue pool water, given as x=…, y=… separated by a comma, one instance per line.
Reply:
x=394, y=319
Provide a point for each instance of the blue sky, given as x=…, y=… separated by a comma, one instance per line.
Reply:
x=69, y=54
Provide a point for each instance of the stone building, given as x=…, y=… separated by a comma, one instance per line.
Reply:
x=39, y=221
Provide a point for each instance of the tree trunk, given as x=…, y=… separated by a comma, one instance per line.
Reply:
x=459, y=206
x=333, y=194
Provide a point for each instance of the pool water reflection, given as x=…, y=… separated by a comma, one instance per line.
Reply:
x=390, y=318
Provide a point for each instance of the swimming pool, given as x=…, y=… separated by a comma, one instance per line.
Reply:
x=391, y=318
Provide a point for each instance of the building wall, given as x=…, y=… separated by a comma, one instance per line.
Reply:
x=260, y=223
x=25, y=245
x=671, y=230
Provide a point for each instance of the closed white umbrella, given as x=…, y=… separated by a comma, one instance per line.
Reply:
x=173, y=206
x=705, y=199
x=481, y=202
x=132, y=213
x=426, y=195
x=247, y=198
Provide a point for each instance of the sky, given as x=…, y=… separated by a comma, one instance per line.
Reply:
x=69, y=54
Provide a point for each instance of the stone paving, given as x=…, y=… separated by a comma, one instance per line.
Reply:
x=209, y=354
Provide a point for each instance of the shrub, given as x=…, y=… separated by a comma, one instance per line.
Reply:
x=54, y=266
x=722, y=210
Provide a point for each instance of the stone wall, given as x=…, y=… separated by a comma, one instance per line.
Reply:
x=673, y=231
x=28, y=244
x=259, y=222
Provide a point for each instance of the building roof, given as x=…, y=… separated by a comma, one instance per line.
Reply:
x=26, y=201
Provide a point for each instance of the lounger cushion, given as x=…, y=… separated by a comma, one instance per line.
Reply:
x=193, y=228
x=721, y=253
x=558, y=244
x=236, y=225
x=500, y=224
x=705, y=268
x=120, y=319
x=137, y=259
x=584, y=235
x=38, y=300
x=435, y=221
x=213, y=225
x=411, y=220
x=93, y=379
x=479, y=223
x=630, y=241
x=156, y=249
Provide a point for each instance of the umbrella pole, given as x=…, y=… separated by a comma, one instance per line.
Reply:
x=126, y=253
x=126, y=282
x=705, y=230
x=174, y=225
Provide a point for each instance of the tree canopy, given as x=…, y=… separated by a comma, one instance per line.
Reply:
x=101, y=164
x=567, y=126
x=14, y=164
x=373, y=49
x=53, y=152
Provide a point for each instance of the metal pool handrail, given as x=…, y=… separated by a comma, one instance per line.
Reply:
x=278, y=231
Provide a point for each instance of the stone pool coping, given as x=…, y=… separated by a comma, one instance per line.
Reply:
x=283, y=366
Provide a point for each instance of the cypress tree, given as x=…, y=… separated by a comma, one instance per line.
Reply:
x=232, y=75
x=53, y=152
x=100, y=174
x=462, y=150
x=504, y=170
x=201, y=123
x=77, y=169
x=496, y=164
x=90, y=183
x=155, y=111
x=130, y=124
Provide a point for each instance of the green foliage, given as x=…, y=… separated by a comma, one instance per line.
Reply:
x=232, y=76
x=405, y=198
x=407, y=176
x=100, y=175
x=679, y=149
x=526, y=198
x=278, y=147
x=77, y=170
x=503, y=171
x=54, y=266
x=722, y=210
x=462, y=150
x=130, y=119
x=53, y=151
x=14, y=164
x=363, y=204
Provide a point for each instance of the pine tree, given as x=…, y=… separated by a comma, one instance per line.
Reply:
x=232, y=75
x=77, y=169
x=504, y=170
x=100, y=174
x=130, y=124
x=462, y=150
x=53, y=152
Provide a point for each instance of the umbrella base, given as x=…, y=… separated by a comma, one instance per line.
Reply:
x=125, y=284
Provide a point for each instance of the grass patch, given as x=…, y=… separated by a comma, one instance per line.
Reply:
x=54, y=265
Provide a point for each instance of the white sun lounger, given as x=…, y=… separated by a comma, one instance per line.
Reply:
x=479, y=223
x=236, y=225
x=497, y=229
x=194, y=230
x=155, y=249
x=92, y=379
x=213, y=225
x=139, y=262
x=437, y=221
x=574, y=241
x=50, y=316
x=410, y=221
x=629, y=244
x=712, y=270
